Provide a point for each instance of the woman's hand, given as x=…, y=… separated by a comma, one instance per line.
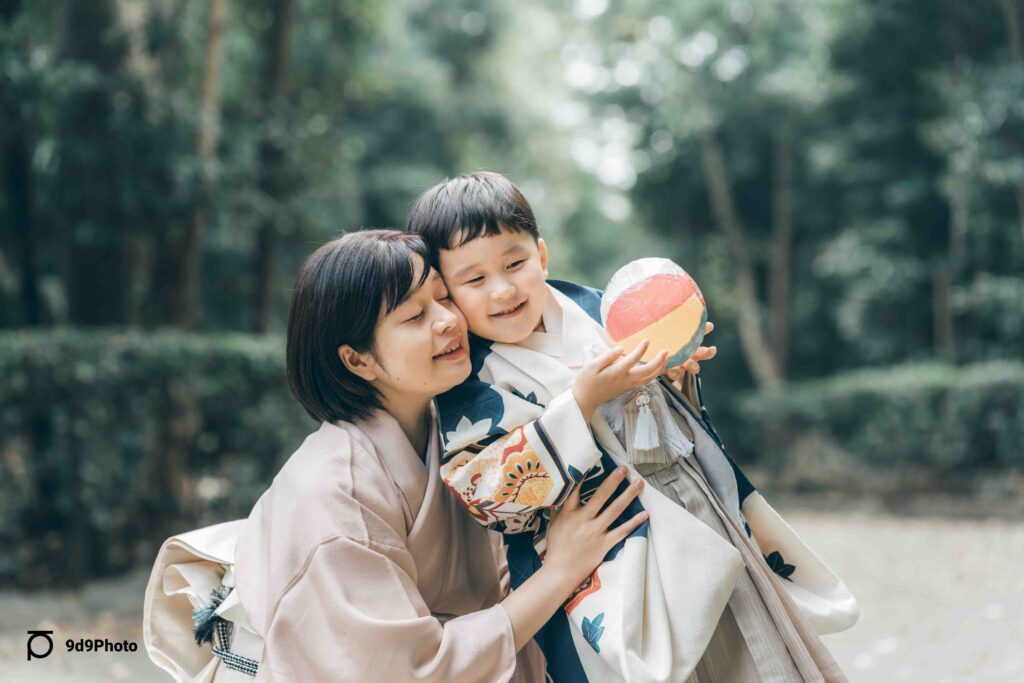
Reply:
x=612, y=373
x=578, y=536
x=692, y=364
x=578, y=539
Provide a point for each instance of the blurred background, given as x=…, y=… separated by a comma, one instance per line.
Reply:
x=844, y=178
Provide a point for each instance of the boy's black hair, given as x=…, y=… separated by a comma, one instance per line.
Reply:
x=461, y=209
x=342, y=291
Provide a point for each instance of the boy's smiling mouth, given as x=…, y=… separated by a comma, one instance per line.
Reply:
x=511, y=310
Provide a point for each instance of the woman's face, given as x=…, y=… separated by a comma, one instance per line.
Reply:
x=422, y=348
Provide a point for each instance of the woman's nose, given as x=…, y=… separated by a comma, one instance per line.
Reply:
x=445, y=321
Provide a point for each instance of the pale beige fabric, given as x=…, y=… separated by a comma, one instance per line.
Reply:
x=746, y=646
x=357, y=565
x=762, y=636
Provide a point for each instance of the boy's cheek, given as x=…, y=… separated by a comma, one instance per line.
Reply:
x=466, y=304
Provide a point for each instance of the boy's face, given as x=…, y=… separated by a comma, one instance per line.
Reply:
x=498, y=282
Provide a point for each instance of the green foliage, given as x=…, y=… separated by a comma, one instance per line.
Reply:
x=911, y=426
x=113, y=441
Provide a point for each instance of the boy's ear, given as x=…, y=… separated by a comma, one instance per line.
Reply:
x=361, y=365
x=543, y=249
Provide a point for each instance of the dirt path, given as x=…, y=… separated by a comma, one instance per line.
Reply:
x=940, y=601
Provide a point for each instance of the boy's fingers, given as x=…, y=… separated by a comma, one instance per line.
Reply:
x=704, y=353
x=605, y=490
x=646, y=373
x=607, y=358
x=675, y=373
x=621, y=502
x=708, y=328
x=631, y=358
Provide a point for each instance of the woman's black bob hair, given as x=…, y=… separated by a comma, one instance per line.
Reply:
x=342, y=291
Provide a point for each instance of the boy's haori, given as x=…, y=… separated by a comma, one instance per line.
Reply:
x=515, y=443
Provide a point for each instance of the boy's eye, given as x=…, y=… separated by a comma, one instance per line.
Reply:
x=516, y=264
x=478, y=278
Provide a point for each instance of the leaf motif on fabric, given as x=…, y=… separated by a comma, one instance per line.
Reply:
x=778, y=565
x=592, y=631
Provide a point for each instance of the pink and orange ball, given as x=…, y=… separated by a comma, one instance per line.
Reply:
x=655, y=299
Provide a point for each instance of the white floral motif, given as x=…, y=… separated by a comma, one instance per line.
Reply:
x=466, y=432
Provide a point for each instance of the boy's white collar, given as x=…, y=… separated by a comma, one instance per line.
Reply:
x=578, y=331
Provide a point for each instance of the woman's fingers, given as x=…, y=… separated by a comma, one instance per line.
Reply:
x=605, y=490
x=709, y=327
x=626, y=528
x=615, y=508
x=573, y=501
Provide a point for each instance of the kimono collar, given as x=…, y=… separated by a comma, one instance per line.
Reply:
x=548, y=342
x=400, y=459
x=578, y=331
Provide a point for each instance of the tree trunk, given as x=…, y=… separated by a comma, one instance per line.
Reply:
x=187, y=292
x=942, y=312
x=20, y=190
x=97, y=265
x=782, y=246
x=752, y=337
x=271, y=156
x=1011, y=17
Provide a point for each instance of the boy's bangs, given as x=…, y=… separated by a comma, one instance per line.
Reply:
x=461, y=209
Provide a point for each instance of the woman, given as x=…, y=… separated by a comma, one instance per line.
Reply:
x=356, y=564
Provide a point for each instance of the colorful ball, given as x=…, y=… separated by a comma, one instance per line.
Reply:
x=653, y=298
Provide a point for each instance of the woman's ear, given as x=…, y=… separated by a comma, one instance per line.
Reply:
x=359, y=364
x=543, y=250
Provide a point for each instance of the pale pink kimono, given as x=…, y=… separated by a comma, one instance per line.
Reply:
x=358, y=565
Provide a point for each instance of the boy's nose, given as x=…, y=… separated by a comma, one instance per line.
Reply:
x=503, y=291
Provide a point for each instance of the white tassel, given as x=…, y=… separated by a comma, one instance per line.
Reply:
x=646, y=436
x=676, y=441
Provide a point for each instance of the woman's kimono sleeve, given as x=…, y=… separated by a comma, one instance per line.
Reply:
x=377, y=627
x=506, y=456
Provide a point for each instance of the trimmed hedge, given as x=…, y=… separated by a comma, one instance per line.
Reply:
x=113, y=440
x=915, y=426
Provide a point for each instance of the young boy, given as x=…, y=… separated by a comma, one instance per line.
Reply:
x=672, y=602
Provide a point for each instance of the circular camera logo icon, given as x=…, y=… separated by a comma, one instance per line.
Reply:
x=35, y=652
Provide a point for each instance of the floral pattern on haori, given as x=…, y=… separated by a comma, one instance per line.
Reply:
x=466, y=432
x=585, y=589
x=505, y=479
x=524, y=478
